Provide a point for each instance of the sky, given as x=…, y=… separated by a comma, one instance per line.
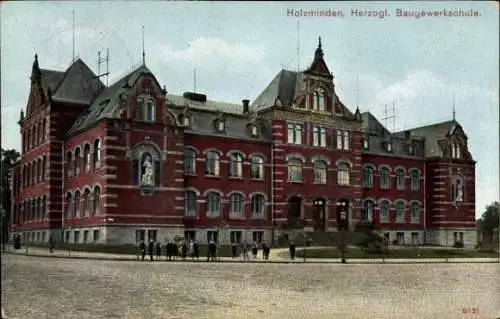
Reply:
x=238, y=47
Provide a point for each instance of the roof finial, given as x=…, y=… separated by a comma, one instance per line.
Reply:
x=35, y=70
x=319, y=51
x=143, y=50
x=454, y=107
x=319, y=43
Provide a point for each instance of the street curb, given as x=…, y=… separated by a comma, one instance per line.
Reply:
x=357, y=262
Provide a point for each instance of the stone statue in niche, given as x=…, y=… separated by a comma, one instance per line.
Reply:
x=147, y=171
x=459, y=193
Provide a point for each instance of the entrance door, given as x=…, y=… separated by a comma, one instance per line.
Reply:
x=319, y=214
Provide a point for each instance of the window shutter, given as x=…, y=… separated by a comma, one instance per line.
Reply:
x=157, y=173
x=135, y=172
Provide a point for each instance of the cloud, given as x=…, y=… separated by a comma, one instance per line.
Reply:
x=203, y=50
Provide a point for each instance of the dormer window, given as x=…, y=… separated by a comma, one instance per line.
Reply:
x=319, y=100
x=366, y=143
x=455, y=151
x=411, y=150
x=219, y=125
x=186, y=121
x=388, y=147
x=254, y=130
x=145, y=111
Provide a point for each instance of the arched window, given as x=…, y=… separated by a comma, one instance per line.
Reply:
x=415, y=180
x=69, y=205
x=295, y=170
x=86, y=202
x=38, y=209
x=45, y=213
x=189, y=162
x=212, y=163
x=40, y=133
x=385, y=178
x=257, y=167
x=258, y=203
x=77, y=204
x=77, y=161
x=343, y=174
x=368, y=207
x=40, y=171
x=400, y=179
x=400, y=212
x=190, y=204
x=368, y=177
x=457, y=190
x=45, y=170
x=44, y=128
x=97, y=200
x=415, y=212
x=35, y=134
x=384, y=211
x=235, y=165
x=69, y=164
x=236, y=205
x=212, y=205
x=86, y=158
x=97, y=153
x=320, y=172
x=146, y=165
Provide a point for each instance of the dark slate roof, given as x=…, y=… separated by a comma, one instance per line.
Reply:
x=107, y=105
x=371, y=125
x=51, y=79
x=203, y=114
x=78, y=85
x=286, y=85
x=398, y=146
x=433, y=134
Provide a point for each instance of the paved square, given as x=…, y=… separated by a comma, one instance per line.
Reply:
x=37, y=287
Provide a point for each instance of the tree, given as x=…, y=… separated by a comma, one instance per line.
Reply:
x=9, y=159
x=489, y=219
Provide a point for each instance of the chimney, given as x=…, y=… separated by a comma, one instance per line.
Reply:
x=246, y=104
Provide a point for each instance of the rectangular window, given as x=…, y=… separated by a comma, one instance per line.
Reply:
x=189, y=162
x=96, y=235
x=140, y=235
x=212, y=236
x=152, y=235
x=257, y=237
x=366, y=143
x=400, y=236
x=236, y=237
x=85, y=236
x=189, y=235
x=295, y=133
x=319, y=136
x=343, y=140
x=77, y=236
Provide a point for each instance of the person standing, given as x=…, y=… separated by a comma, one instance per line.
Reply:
x=51, y=243
x=191, y=249
x=196, y=250
x=244, y=247
x=265, y=251
x=292, y=250
x=151, y=248
x=255, y=250
x=158, y=251
x=142, y=249
x=233, y=249
x=184, y=249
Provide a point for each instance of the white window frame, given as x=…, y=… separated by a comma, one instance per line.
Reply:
x=236, y=205
x=400, y=212
x=368, y=180
x=257, y=167
x=190, y=203
x=212, y=164
x=258, y=205
x=320, y=172
x=213, y=204
x=415, y=212
x=189, y=162
x=294, y=133
x=319, y=136
x=343, y=174
x=384, y=211
x=295, y=170
x=400, y=179
x=385, y=178
x=415, y=180
x=235, y=165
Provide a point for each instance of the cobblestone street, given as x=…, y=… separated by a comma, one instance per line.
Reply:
x=37, y=287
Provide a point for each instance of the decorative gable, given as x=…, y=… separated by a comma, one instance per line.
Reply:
x=318, y=66
x=220, y=122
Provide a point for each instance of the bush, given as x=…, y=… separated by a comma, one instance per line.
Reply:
x=458, y=244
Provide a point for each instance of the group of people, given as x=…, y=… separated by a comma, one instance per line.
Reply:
x=185, y=249
x=182, y=249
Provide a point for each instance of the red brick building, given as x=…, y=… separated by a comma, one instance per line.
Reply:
x=131, y=161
